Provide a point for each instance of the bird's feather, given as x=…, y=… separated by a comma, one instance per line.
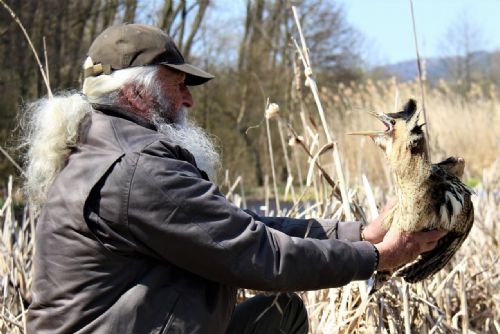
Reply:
x=431, y=196
x=454, y=211
x=431, y=262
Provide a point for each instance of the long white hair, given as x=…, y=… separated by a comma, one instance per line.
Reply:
x=51, y=127
x=51, y=130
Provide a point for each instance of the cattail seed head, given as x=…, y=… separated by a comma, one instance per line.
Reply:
x=272, y=111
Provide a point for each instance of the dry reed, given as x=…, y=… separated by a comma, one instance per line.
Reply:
x=464, y=297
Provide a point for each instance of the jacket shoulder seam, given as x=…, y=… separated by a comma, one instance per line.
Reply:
x=126, y=200
x=126, y=148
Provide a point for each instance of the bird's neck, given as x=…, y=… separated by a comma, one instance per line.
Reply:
x=411, y=171
x=411, y=174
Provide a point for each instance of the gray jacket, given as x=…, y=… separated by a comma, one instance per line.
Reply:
x=135, y=239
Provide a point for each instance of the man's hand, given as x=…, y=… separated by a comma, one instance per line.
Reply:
x=399, y=248
x=375, y=232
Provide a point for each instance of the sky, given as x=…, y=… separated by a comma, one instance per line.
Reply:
x=387, y=26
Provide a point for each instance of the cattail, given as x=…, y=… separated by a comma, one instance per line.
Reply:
x=272, y=111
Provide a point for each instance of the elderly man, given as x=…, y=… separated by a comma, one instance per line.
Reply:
x=133, y=237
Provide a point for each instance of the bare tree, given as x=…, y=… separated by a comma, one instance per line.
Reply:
x=175, y=18
x=334, y=47
x=109, y=10
x=262, y=68
x=130, y=9
x=460, y=45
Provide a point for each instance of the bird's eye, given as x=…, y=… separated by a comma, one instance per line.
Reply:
x=393, y=122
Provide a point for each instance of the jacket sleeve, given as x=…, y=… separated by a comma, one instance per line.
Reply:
x=184, y=220
x=312, y=228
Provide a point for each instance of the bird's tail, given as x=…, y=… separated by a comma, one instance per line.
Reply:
x=433, y=261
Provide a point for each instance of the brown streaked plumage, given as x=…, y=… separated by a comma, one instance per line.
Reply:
x=453, y=165
x=431, y=196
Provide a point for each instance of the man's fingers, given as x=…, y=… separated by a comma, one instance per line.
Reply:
x=399, y=247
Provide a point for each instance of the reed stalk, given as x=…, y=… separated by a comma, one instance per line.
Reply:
x=304, y=56
x=271, y=158
x=32, y=47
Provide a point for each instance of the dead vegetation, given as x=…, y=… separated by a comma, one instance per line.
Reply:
x=345, y=178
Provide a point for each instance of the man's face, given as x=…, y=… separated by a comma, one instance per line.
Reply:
x=171, y=120
x=174, y=89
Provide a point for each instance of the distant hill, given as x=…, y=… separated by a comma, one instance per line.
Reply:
x=436, y=68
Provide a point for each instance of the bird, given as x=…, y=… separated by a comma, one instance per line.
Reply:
x=430, y=196
x=453, y=165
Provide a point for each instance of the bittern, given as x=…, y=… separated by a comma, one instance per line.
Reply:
x=430, y=196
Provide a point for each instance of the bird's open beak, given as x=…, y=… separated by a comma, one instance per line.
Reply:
x=365, y=133
x=373, y=133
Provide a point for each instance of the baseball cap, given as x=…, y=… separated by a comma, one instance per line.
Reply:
x=129, y=45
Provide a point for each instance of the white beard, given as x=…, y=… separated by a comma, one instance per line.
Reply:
x=52, y=127
x=194, y=139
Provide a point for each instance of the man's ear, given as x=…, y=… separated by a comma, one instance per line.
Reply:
x=136, y=97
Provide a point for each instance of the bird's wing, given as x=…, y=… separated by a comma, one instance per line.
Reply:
x=431, y=262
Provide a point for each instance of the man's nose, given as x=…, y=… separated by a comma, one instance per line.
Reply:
x=187, y=98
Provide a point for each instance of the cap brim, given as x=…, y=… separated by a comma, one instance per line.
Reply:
x=194, y=75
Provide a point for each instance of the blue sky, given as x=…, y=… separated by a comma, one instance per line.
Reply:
x=387, y=25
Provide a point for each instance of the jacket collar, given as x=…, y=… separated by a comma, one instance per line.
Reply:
x=179, y=152
x=117, y=111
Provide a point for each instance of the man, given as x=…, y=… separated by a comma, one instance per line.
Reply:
x=133, y=237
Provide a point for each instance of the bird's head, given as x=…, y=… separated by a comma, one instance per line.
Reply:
x=402, y=136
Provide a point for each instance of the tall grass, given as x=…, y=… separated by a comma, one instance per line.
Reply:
x=461, y=125
x=463, y=297
x=16, y=250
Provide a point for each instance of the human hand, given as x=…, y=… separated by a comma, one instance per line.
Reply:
x=375, y=231
x=399, y=248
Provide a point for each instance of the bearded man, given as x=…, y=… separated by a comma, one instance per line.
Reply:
x=134, y=237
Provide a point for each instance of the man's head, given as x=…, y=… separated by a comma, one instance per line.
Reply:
x=138, y=49
x=138, y=68
x=132, y=45
x=148, y=80
x=155, y=93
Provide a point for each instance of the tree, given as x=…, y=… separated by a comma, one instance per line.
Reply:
x=68, y=27
x=460, y=44
x=174, y=18
x=262, y=67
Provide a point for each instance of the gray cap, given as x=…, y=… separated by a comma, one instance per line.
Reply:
x=130, y=45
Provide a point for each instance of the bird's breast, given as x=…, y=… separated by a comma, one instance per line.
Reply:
x=433, y=204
